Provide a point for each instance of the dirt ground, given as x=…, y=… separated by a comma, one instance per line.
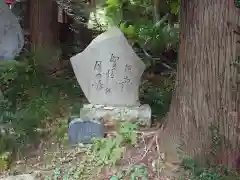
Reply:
x=50, y=154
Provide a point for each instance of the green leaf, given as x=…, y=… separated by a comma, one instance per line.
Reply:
x=116, y=155
x=112, y=3
x=122, y=26
x=130, y=31
x=114, y=178
x=175, y=7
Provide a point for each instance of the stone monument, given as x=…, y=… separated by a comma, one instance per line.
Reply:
x=109, y=73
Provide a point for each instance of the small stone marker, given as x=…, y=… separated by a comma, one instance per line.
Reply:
x=109, y=73
x=82, y=130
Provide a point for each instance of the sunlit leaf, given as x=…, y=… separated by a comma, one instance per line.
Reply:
x=175, y=7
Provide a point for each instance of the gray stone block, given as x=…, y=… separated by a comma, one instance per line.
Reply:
x=82, y=130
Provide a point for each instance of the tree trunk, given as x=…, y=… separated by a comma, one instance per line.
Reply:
x=44, y=27
x=203, y=117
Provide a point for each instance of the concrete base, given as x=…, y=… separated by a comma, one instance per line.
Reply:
x=141, y=114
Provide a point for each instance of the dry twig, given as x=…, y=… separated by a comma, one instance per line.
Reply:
x=155, y=139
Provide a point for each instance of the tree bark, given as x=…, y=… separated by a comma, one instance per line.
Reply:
x=44, y=26
x=204, y=113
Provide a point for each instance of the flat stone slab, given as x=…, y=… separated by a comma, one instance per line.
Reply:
x=19, y=177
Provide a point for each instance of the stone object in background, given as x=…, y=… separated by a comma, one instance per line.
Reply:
x=82, y=130
x=11, y=35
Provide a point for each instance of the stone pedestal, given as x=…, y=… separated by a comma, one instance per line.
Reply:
x=141, y=114
x=109, y=73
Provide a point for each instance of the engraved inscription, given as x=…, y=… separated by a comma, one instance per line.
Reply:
x=98, y=66
x=102, y=77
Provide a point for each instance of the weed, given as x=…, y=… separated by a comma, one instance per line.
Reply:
x=30, y=97
x=4, y=161
x=196, y=172
x=127, y=130
x=157, y=97
x=109, y=151
x=135, y=172
x=106, y=153
x=61, y=131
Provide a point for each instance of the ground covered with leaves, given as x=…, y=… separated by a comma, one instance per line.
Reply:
x=127, y=153
x=124, y=154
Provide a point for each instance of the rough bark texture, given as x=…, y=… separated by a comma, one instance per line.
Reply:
x=44, y=27
x=206, y=98
x=43, y=23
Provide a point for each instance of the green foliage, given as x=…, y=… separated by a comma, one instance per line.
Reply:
x=197, y=172
x=110, y=151
x=189, y=164
x=5, y=161
x=211, y=169
x=217, y=141
x=75, y=109
x=105, y=153
x=26, y=106
x=158, y=97
x=237, y=3
x=175, y=6
x=135, y=19
x=61, y=131
x=156, y=38
x=139, y=171
x=129, y=31
x=128, y=132
x=31, y=96
x=114, y=9
x=134, y=173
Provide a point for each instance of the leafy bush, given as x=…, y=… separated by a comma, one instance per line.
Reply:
x=158, y=97
x=31, y=95
x=135, y=18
